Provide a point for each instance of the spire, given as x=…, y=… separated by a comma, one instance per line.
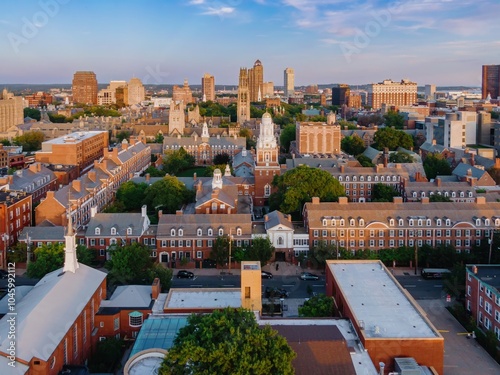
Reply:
x=227, y=172
x=70, y=259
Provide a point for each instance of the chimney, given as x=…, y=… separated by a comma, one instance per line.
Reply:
x=425, y=200
x=343, y=200
x=342, y=169
x=397, y=200
x=160, y=213
x=93, y=211
x=474, y=270
x=194, y=176
x=266, y=217
x=77, y=185
x=144, y=211
x=472, y=161
x=438, y=181
x=315, y=200
x=148, y=177
x=178, y=212
x=92, y=175
x=480, y=200
x=155, y=288
x=434, y=142
x=289, y=217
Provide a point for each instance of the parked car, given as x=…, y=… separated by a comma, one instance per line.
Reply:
x=271, y=292
x=308, y=276
x=183, y=274
x=267, y=275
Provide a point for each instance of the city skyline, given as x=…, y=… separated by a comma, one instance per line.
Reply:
x=444, y=42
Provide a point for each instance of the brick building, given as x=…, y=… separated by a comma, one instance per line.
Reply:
x=182, y=94
x=84, y=87
x=402, y=93
x=491, y=81
x=208, y=87
x=11, y=110
x=318, y=138
x=39, y=99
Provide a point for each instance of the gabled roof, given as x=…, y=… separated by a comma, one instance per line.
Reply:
x=42, y=233
x=130, y=296
x=462, y=169
x=120, y=221
x=48, y=311
x=275, y=218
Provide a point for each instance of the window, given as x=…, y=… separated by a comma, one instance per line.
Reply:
x=97, y=231
x=487, y=307
x=468, y=290
x=487, y=323
x=135, y=318
x=381, y=233
x=199, y=243
x=65, y=351
x=84, y=327
x=361, y=222
x=372, y=233
x=381, y=243
x=199, y=232
x=410, y=223
x=497, y=315
x=181, y=232
x=401, y=222
x=324, y=233
x=199, y=254
x=172, y=232
x=401, y=233
x=351, y=222
x=315, y=233
x=210, y=232
x=75, y=341
x=391, y=222
x=481, y=301
x=221, y=231
x=372, y=243
x=129, y=231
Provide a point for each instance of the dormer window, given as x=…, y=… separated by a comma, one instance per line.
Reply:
x=210, y=232
x=129, y=231
x=199, y=232
x=411, y=222
x=324, y=222
x=113, y=231
x=342, y=222
x=361, y=222
x=238, y=232
x=401, y=222
x=351, y=222
x=487, y=222
x=391, y=222
x=172, y=232
x=181, y=232
x=428, y=222
x=448, y=222
x=497, y=222
x=478, y=222
x=369, y=178
x=221, y=232
x=97, y=231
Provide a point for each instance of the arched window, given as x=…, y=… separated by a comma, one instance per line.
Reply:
x=369, y=178
x=361, y=222
x=113, y=231
x=180, y=232
x=210, y=232
x=401, y=222
x=361, y=178
x=382, y=178
x=351, y=222
x=438, y=222
x=238, y=232
x=347, y=178
x=478, y=222
x=414, y=194
x=394, y=178
x=324, y=222
x=267, y=190
x=199, y=232
x=172, y=232
x=221, y=231
x=129, y=231
x=446, y=194
x=354, y=178
x=422, y=194
x=411, y=222
x=280, y=240
x=462, y=194
x=487, y=222
x=428, y=222
x=448, y=222
x=342, y=222
x=470, y=194
x=419, y=223
x=340, y=178
x=497, y=222
x=376, y=178
x=391, y=222
x=453, y=194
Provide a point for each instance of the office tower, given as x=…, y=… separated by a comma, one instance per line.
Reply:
x=243, y=106
x=289, y=82
x=430, y=90
x=267, y=90
x=135, y=91
x=11, y=110
x=340, y=94
x=392, y=93
x=85, y=88
x=183, y=93
x=255, y=81
x=491, y=81
x=208, y=87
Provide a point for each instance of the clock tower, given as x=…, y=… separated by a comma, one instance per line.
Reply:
x=266, y=163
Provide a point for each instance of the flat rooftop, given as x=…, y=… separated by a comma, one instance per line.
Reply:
x=489, y=274
x=379, y=303
x=206, y=298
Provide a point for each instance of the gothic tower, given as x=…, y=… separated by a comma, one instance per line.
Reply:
x=243, y=106
x=256, y=81
x=266, y=165
x=176, y=119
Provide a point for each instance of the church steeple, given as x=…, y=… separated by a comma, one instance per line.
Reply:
x=70, y=259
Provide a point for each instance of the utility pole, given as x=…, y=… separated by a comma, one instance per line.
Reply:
x=491, y=245
x=416, y=257
x=229, y=260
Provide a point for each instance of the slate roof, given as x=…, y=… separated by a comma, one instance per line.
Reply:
x=120, y=221
x=38, y=233
x=276, y=218
x=130, y=296
x=462, y=169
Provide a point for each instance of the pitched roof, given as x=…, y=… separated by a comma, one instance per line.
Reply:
x=275, y=218
x=462, y=169
x=120, y=221
x=130, y=296
x=191, y=223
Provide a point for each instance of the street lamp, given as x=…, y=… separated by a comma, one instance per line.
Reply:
x=3, y=255
x=229, y=260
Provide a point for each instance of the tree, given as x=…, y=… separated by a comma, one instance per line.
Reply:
x=228, y=342
x=261, y=249
x=17, y=253
x=438, y=198
x=394, y=119
x=222, y=158
x=129, y=264
x=5, y=142
x=392, y=138
x=292, y=191
x=168, y=193
x=384, y=193
x=31, y=141
x=287, y=136
x=320, y=253
x=177, y=161
x=154, y=172
x=436, y=165
x=32, y=113
x=57, y=118
x=107, y=353
x=245, y=132
x=352, y=145
x=400, y=157
x=317, y=306
x=85, y=255
x=131, y=195
x=365, y=161
x=220, y=250
x=373, y=119
x=123, y=135
x=162, y=273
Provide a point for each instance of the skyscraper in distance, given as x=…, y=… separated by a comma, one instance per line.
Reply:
x=491, y=81
x=84, y=87
x=243, y=105
x=289, y=82
x=256, y=81
x=340, y=94
x=208, y=87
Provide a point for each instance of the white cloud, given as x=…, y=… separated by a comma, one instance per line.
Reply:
x=220, y=11
x=196, y=2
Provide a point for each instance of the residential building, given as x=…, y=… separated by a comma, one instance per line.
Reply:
x=255, y=81
x=66, y=301
x=312, y=89
x=318, y=137
x=375, y=225
x=340, y=94
x=392, y=93
x=39, y=99
x=474, y=175
x=267, y=90
x=4, y=157
x=289, y=82
x=84, y=87
x=136, y=93
x=11, y=110
x=482, y=296
x=183, y=93
x=388, y=321
x=454, y=130
x=491, y=81
x=15, y=214
x=79, y=148
x=243, y=104
x=208, y=87
x=451, y=188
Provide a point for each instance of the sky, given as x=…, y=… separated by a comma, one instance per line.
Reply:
x=441, y=42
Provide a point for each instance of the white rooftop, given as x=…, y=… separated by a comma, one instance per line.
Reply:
x=379, y=303
x=205, y=298
x=74, y=137
x=21, y=291
x=20, y=368
x=129, y=296
x=48, y=311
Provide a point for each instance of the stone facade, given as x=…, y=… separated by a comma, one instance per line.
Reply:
x=11, y=110
x=393, y=93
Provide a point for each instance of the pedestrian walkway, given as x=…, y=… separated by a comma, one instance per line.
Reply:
x=284, y=269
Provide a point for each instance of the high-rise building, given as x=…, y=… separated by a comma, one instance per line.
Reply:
x=267, y=90
x=176, y=118
x=392, y=93
x=340, y=94
x=491, y=81
x=85, y=88
x=136, y=92
x=208, y=87
x=107, y=96
x=183, y=93
x=430, y=90
x=289, y=82
x=243, y=105
x=11, y=110
x=255, y=81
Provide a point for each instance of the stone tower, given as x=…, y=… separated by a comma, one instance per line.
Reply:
x=256, y=80
x=243, y=106
x=176, y=119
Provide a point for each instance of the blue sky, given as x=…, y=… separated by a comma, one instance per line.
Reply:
x=326, y=41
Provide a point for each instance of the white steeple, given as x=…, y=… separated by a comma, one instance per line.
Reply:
x=204, y=131
x=204, y=98
x=227, y=172
x=217, y=179
x=266, y=136
x=70, y=259
x=259, y=96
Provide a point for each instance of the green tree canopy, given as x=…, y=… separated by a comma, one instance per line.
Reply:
x=365, y=161
x=287, y=136
x=154, y=172
x=168, y=194
x=131, y=195
x=438, y=198
x=261, y=249
x=209, y=170
x=317, y=306
x=436, y=165
x=392, y=139
x=220, y=250
x=176, y=161
x=32, y=113
x=222, y=158
x=352, y=145
x=30, y=141
x=373, y=119
x=401, y=157
x=394, y=119
x=384, y=193
x=228, y=342
x=299, y=185
x=130, y=263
